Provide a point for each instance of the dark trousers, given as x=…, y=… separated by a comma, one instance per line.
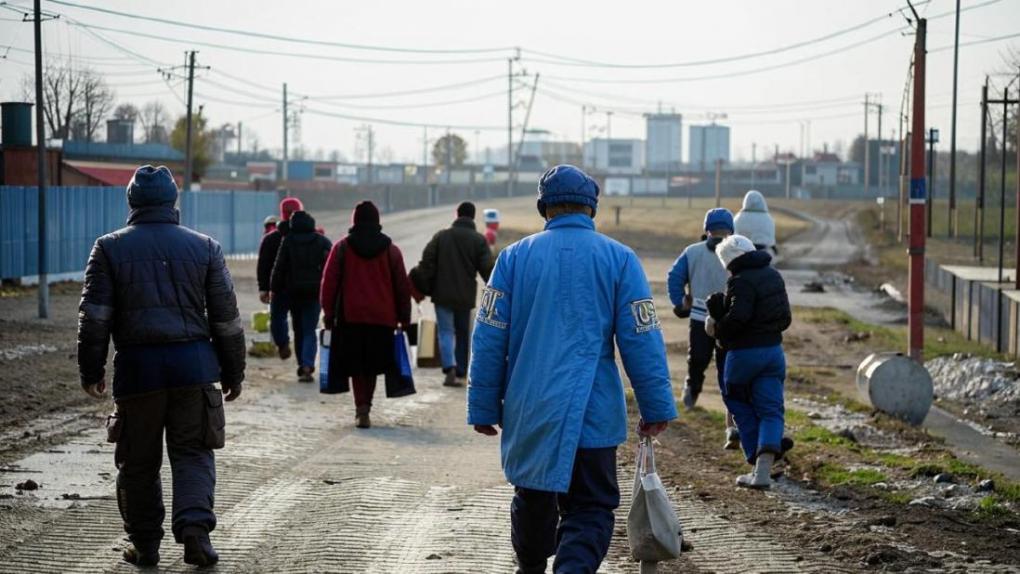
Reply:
x=305, y=317
x=700, y=349
x=279, y=306
x=182, y=412
x=364, y=389
x=575, y=526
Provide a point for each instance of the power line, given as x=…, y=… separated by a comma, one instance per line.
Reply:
x=737, y=74
x=570, y=61
x=281, y=38
x=267, y=52
x=388, y=121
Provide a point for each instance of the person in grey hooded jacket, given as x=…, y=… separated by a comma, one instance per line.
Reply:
x=754, y=222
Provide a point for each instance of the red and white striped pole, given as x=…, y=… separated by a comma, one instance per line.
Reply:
x=918, y=199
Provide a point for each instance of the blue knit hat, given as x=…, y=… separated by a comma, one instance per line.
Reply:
x=152, y=186
x=567, y=184
x=719, y=218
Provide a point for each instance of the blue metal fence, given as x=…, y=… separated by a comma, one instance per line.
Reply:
x=76, y=216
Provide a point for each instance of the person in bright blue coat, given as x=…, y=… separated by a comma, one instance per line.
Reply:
x=544, y=368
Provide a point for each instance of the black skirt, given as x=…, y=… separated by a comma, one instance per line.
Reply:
x=361, y=350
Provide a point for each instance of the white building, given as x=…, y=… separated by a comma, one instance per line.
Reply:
x=708, y=144
x=615, y=156
x=663, y=141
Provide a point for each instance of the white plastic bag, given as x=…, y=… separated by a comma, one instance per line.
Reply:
x=653, y=529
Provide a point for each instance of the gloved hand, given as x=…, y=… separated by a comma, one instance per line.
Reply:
x=265, y=297
x=710, y=327
x=231, y=393
x=682, y=311
x=651, y=429
x=716, y=304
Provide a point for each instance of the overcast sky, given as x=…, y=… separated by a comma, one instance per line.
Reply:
x=828, y=91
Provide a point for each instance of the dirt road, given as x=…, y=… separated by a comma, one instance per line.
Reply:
x=301, y=490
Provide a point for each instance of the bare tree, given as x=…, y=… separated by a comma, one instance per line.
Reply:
x=153, y=118
x=97, y=101
x=126, y=111
x=77, y=100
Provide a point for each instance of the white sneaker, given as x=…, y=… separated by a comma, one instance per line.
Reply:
x=688, y=398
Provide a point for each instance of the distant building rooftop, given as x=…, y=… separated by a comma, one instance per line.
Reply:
x=107, y=151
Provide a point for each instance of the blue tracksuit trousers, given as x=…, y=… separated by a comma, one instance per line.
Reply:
x=753, y=392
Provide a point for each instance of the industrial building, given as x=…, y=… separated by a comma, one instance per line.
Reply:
x=663, y=142
x=709, y=143
x=615, y=156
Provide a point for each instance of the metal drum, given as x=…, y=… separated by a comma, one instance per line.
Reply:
x=896, y=385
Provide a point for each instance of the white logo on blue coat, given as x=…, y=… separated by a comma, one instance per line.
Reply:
x=645, y=318
x=487, y=309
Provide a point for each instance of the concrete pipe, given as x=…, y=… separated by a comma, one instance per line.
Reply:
x=896, y=385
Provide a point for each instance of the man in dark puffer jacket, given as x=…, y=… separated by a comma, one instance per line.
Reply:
x=163, y=292
x=749, y=321
x=296, y=275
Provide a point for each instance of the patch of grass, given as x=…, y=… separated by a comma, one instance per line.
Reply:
x=821, y=435
x=990, y=508
x=796, y=418
x=898, y=497
x=937, y=341
x=1008, y=491
x=892, y=460
x=836, y=475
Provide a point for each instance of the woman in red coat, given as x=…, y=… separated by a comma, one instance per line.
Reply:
x=365, y=295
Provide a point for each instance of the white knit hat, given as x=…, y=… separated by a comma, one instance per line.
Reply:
x=732, y=247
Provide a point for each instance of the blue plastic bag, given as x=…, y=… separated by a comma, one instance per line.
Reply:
x=325, y=387
x=400, y=382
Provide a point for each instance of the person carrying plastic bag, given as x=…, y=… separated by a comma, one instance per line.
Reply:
x=544, y=368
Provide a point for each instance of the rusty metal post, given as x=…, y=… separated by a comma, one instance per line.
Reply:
x=918, y=200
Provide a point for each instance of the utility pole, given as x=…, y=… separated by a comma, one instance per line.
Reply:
x=239, y=140
x=609, y=127
x=718, y=182
x=425, y=154
x=754, y=161
x=918, y=197
x=584, y=118
x=979, y=210
x=189, y=154
x=286, y=130
x=524, y=126
x=867, y=148
x=449, y=157
x=881, y=164
x=40, y=145
x=1016, y=210
x=954, y=217
x=371, y=151
x=904, y=142
x=510, y=127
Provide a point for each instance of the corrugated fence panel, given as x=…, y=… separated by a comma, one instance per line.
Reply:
x=76, y=216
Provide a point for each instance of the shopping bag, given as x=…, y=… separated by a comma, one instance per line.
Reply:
x=653, y=529
x=400, y=381
x=325, y=387
x=428, y=343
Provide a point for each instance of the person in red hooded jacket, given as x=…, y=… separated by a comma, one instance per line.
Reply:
x=365, y=295
x=279, y=306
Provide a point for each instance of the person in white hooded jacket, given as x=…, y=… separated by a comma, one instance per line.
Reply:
x=755, y=222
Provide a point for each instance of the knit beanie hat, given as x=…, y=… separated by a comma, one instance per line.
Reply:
x=288, y=206
x=466, y=209
x=733, y=247
x=718, y=218
x=366, y=213
x=567, y=184
x=152, y=186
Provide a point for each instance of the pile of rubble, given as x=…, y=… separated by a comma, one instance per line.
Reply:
x=965, y=378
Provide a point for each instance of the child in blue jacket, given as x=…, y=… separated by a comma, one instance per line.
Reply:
x=544, y=368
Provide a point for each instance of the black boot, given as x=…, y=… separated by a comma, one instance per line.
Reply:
x=198, y=550
x=141, y=555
